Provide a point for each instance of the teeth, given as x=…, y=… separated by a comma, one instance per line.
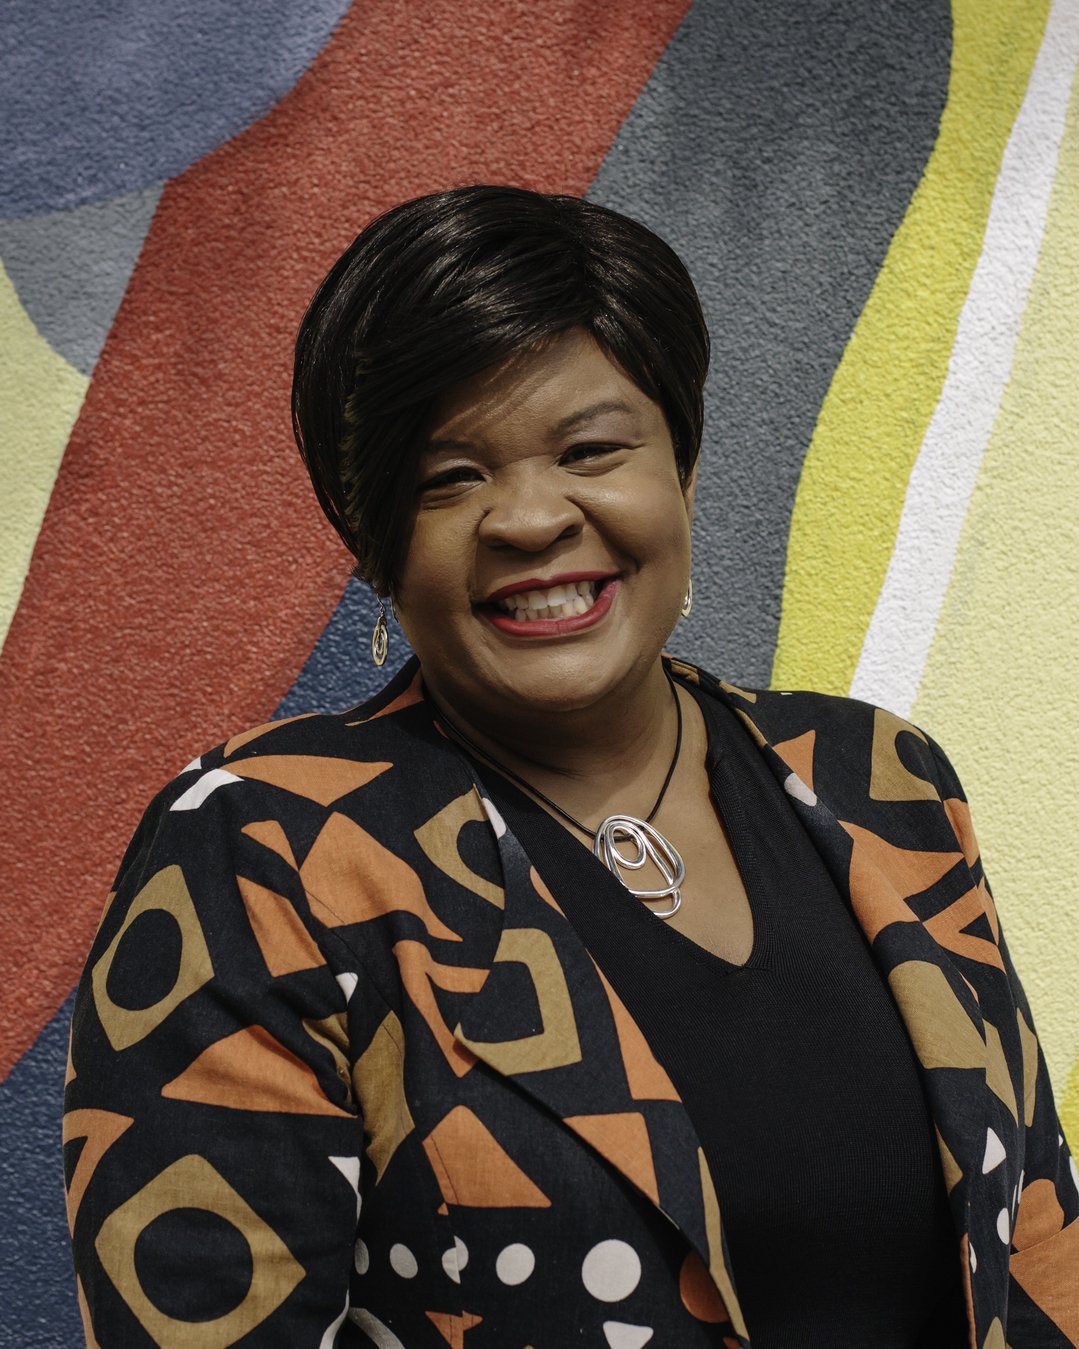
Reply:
x=562, y=601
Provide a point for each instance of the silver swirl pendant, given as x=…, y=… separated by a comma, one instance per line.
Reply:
x=651, y=846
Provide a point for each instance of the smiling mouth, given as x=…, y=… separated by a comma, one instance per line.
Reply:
x=571, y=599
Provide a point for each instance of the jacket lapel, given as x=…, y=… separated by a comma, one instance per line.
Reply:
x=589, y=1063
x=904, y=899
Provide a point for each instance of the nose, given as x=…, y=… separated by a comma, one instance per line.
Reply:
x=530, y=512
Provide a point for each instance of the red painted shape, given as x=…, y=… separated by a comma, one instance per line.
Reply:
x=183, y=572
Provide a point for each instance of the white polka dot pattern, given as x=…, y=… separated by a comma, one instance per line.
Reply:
x=611, y=1271
x=455, y=1259
x=403, y=1262
x=515, y=1264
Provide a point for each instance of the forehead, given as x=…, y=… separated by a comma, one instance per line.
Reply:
x=550, y=390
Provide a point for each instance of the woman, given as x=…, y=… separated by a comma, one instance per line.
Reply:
x=380, y=1041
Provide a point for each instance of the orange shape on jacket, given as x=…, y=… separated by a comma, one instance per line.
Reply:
x=699, y=1294
x=250, y=1070
x=84, y=1312
x=623, y=1140
x=797, y=754
x=540, y=888
x=1046, y=1273
x=647, y=1078
x=285, y=943
x=452, y=1328
x=319, y=779
x=882, y=876
x=101, y=1129
x=270, y=834
x=351, y=878
x=413, y=694
x=472, y=1167
x=245, y=737
x=418, y=972
x=947, y=926
x=1040, y=1215
x=958, y=813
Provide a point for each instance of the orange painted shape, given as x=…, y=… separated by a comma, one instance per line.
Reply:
x=270, y=834
x=882, y=876
x=699, y=1294
x=946, y=928
x=245, y=737
x=541, y=889
x=417, y=972
x=351, y=878
x=442, y=1210
x=250, y=1070
x=797, y=754
x=959, y=814
x=319, y=779
x=69, y=1071
x=452, y=1328
x=1040, y=1215
x=285, y=943
x=647, y=1078
x=101, y=1129
x=623, y=1140
x=472, y=1167
x=1046, y=1273
x=412, y=695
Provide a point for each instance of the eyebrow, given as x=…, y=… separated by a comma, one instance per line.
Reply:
x=589, y=414
x=570, y=423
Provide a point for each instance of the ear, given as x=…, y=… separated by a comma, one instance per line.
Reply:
x=689, y=492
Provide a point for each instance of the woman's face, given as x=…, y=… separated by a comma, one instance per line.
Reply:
x=549, y=475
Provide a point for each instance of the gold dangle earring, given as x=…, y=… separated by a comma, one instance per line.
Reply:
x=687, y=603
x=380, y=638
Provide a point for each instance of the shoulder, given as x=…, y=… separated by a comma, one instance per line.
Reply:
x=318, y=756
x=846, y=739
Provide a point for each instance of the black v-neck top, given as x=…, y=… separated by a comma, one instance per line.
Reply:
x=795, y=1068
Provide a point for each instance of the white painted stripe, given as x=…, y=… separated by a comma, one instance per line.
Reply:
x=901, y=630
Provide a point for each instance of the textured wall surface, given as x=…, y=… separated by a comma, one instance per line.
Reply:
x=879, y=202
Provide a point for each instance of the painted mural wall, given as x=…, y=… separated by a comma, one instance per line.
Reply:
x=879, y=203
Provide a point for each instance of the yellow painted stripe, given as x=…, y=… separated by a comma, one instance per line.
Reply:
x=889, y=380
x=40, y=397
x=1001, y=681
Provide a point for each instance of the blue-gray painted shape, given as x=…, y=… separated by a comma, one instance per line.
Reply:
x=100, y=100
x=339, y=673
x=776, y=147
x=38, y=1307
x=71, y=269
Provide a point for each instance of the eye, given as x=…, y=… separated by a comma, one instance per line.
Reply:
x=591, y=450
x=452, y=477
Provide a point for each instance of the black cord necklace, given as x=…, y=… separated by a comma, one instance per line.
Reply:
x=648, y=841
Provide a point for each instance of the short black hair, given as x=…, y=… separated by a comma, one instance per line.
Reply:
x=443, y=287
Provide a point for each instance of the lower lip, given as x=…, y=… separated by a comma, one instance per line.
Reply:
x=555, y=627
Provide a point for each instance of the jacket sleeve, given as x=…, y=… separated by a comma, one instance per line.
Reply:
x=1043, y=1302
x=212, y=1140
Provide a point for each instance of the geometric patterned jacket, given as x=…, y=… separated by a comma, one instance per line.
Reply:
x=342, y=1072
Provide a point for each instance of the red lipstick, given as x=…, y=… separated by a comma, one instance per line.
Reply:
x=552, y=627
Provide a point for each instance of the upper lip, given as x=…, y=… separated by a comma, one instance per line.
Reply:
x=547, y=583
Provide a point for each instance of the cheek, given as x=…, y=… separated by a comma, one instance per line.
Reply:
x=649, y=524
x=436, y=568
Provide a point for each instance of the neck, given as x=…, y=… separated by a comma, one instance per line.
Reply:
x=610, y=756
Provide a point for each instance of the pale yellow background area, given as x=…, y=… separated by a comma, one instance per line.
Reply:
x=40, y=397
x=1001, y=686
